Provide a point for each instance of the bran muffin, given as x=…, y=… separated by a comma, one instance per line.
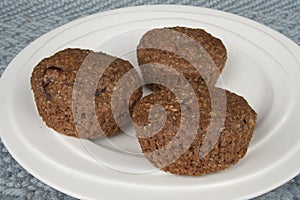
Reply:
x=79, y=112
x=215, y=146
x=192, y=52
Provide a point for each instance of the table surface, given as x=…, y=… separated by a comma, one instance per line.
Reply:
x=21, y=22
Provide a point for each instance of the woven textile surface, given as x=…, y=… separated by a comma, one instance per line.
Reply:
x=21, y=22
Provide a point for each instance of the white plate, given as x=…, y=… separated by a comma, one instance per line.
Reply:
x=263, y=66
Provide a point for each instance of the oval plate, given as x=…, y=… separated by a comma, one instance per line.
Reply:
x=263, y=66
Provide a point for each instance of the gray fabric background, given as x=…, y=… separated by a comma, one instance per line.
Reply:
x=21, y=22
